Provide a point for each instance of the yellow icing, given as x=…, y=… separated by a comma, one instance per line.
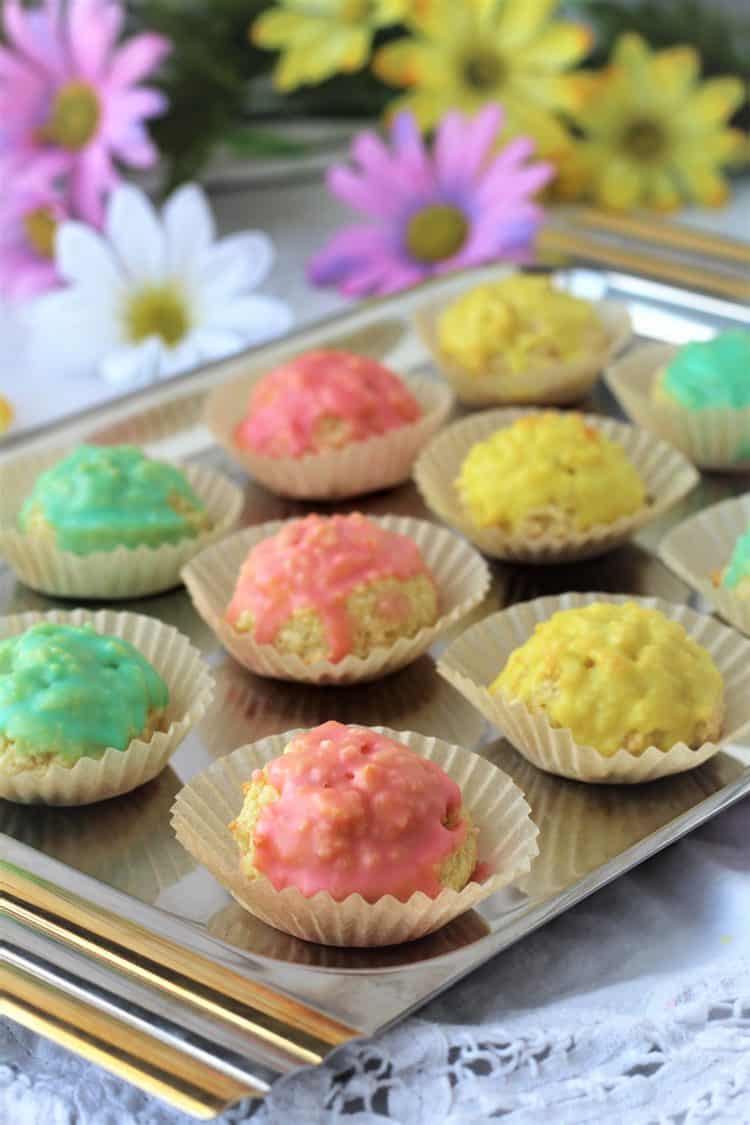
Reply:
x=547, y=462
x=608, y=672
x=523, y=319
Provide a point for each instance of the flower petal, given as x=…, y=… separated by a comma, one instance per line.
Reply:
x=36, y=34
x=189, y=227
x=137, y=58
x=716, y=100
x=461, y=147
x=257, y=251
x=561, y=45
x=254, y=318
x=134, y=366
x=83, y=257
x=136, y=234
x=214, y=343
x=345, y=253
x=182, y=358
x=93, y=27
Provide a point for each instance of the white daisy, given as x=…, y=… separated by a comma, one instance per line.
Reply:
x=154, y=293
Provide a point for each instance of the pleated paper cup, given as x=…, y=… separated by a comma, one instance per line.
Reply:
x=118, y=771
x=473, y=661
x=461, y=576
x=507, y=845
x=356, y=469
x=717, y=438
x=543, y=384
x=666, y=474
x=700, y=547
x=125, y=572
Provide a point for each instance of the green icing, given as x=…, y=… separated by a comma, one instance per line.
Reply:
x=74, y=692
x=711, y=373
x=101, y=497
x=739, y=564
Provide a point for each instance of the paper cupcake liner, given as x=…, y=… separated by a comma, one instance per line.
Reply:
x=702, y=546
x=118, y=771
x=666, y=474
x=360, y=467
x=125, y=572
x=507, y=843
x=461, y=575
x=548, y=384
x=475, y=659
x=236, y=926
x=718, y=438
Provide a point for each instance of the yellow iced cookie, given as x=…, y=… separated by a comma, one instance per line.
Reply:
x=548, y=471
x=523, y=321
x=617, y=676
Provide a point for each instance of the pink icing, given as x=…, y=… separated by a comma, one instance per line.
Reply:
x=356, y=813
x=316, y=563
x=288, y=404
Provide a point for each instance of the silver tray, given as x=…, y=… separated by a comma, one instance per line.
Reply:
x=117, y=946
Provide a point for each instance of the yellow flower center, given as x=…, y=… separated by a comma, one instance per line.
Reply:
x=158, y=310
x=483, y=70
x=74, y=117
x=436, y=233
x=644, y=139
x=40, y=226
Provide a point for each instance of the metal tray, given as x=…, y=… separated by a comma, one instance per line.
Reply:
x=117, y=946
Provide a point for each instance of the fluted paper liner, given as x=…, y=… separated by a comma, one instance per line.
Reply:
x=118, y=771
x=507, y=843
x=473, y=661
x=124, y=572
x=461, y=576
x=550, y=384
x=716, y=438
x=666, y=474
x=702, y=546
x=355, y=469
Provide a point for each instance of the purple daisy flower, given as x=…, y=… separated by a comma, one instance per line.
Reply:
x=65, y=87
x=29, y=216
x=463, y=203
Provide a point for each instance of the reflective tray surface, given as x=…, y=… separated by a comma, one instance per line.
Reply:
x=120, y=857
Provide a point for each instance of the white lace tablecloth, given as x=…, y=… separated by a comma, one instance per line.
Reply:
x=633, y=1008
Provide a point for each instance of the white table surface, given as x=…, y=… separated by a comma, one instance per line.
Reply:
x=634, y=1007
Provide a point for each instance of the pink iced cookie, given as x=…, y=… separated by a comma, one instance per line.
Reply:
x=348, y=811
x=323, y=587
x=323, y=400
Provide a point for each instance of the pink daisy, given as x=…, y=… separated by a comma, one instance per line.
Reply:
x=29, y=216
x=462, y=203
x=65, y=87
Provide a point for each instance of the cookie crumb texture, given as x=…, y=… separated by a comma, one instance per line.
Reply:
x=322, y=401
x=323, y=588
x=519, y=323
x=617, y=676
x=347, y=810
x=102, y=497
x=548, y=472
x=68, y=692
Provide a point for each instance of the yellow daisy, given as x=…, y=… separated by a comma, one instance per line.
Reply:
x=654, y=135
x=465, y=53
x=319, y=38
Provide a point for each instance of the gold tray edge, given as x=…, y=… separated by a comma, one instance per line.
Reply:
x=185, y=1082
